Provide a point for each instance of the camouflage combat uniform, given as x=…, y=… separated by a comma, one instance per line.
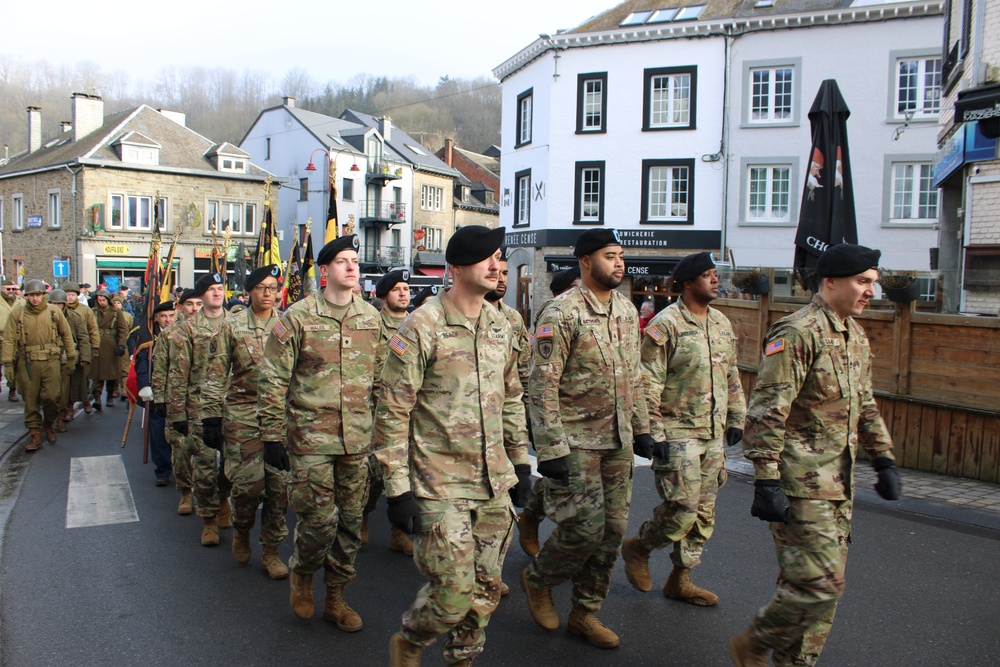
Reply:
x=694, y=394
x=450, y=427
x=811, y=408
x=586, y=403
x=317, y=400
x=159, y=382
x=232, y=382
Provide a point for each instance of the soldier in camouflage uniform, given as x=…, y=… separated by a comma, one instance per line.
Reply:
x=181, y=454
x=78, y=390
x=319, y=362
x=393, y=289
x=451, y=437
x=587, y=408
x=696, y=408
x=192, y=344
x=229, y=419
x=78, y=327
x=810, y=410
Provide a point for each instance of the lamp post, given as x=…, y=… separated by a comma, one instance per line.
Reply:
x=331, y=171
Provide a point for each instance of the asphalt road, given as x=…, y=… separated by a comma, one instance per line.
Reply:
x=920, y=591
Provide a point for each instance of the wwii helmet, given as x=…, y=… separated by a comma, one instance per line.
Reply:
x=34, y=287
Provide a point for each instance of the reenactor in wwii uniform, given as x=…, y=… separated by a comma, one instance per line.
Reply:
x=451, y=437
x=229, y=420
x=164, y=316
x=810, y=410
x=393, y=289
x=125, y=360
x=81, y=337
x=9, y=300
x=78, y=389
x=587, y=409
x=181, y=454
x=696, y=408
x=320, y=362
x=36, y=336
x=106, y=369
x=192, y=344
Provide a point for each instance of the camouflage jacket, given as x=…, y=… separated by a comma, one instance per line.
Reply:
x=38, y=334
x=319, y=376
x=192, y=344
x=450, y=423
x=389, y=326
x=521, y=341
x=690, y=375
x=812, y=405
x=585, y=387
x=91, y=321
x=230, y=388
x=160, y=367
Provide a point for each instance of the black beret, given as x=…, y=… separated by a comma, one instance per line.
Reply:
x=258, y=274
x=472, y=244
x=692, y=266
x=187, y=295
x=846, y=259
x=593, y=240
x=425, y=294
x=164, y=307
x=563, y=280
x=389, y=280
x=336, y=246
x=207, y=281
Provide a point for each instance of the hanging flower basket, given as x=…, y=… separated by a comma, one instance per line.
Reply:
x=899, y=287
x=752, y=281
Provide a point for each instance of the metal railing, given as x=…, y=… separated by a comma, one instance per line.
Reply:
x=384, y=255
x=382, y=211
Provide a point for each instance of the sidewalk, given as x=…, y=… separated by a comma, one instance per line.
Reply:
x=11, y=421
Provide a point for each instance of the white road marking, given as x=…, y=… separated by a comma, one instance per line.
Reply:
x=99, y=493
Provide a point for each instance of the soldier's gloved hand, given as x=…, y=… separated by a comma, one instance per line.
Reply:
x=120, y=350
x=643, y=444
x=889, y=486
x=557, y=469
x=180, y=427
x=521, y=491
x=275, y=455
x=146, y=394
x=770, y=502
x=733, y=435
x=160, y=409
x=661, y=450
x=404, y=513
x=212, y=432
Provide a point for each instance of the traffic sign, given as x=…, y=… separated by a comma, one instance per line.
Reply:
x=60, y=268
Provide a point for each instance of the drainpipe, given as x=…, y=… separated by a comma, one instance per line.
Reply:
x=724, y=149
x=77, y=257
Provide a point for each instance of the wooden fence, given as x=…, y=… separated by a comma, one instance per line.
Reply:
x=937, y=380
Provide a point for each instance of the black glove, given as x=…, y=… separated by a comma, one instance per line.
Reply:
x=733, y=435
x=404, y=513
x=212, y=432
x=521, y=491
x=120, y=350
x=275, y=455
x=643, y=444
x=160, y=409
x=888, y=485
x=770, y=502
x=556, y=469
x=180, y=427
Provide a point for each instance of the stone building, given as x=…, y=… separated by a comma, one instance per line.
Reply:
x=475, y=189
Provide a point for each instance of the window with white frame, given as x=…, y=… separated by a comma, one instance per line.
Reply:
x=591, y=102
x=53, y=210
x=240, y=217
x=250, y=219
x=913, y=195
x=116, y=212
x=770, y=94
x=668, y=191
x=768, y=189
x=522, y=198
x=524, y=112
x=669, y=98
x=918, y=87
x=432, y=238
x=138, y=213
x=589, y=200
x=431, y=198
x=17, y=208
x=233, y=164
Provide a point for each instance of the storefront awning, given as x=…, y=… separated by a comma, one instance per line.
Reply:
x=982, y=103
x=426, y=258
x=430, y=271
x=118, y=263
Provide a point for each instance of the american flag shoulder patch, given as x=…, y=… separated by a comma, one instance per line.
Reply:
x=774, y=347
x=398, y=345
x=531, y=339
x=654, y=333
x=543, y=332
x=178, y=338
x=281, y=332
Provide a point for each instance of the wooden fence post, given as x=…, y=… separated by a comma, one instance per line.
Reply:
x=902, y=332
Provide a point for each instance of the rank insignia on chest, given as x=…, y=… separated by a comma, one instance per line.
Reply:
x=774, y=347
x=654, y=333
x=398, y=345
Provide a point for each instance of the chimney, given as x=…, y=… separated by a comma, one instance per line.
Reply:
x=385, y=127
x=88, y=114
x=178, y=117
x=448, y=146
x=34, y=129
x=288, y=101
x=65, y=126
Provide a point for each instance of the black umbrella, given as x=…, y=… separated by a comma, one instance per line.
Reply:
x=826, y=216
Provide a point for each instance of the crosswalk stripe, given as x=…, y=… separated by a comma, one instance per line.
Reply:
x=99, y=492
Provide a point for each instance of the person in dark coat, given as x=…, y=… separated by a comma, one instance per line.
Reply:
x=159, y=450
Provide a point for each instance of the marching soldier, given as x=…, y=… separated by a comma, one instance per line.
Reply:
x=320, y=362
x=125, y=360
x=424, y=294
x=78, y=390
x=810, y=409
x=696, y=408
x=164, y=316
x=106, y=368
x=81, y=337
x=36, y=336
x=587, y=408
x=451, y=438
x=229, y=419
x=192, y=344
x=7, y=303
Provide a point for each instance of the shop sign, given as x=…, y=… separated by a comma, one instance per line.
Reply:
x=115, y=249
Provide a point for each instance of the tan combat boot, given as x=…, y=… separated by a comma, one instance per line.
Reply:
x=336, y=610
x=69, y=414
x=186, y=504
x=272, y=562
x=241, y=546
x=747, y=652
x=504, y=590
x=225, y=514
x=527, y=532
x=637, y=564
x=301, y=597
x=36, y=440
x=584, y=624
x=88, y=407
x=403, y=653
x=679, y=587
x=210, y=532
x=540, y=604
x=400, y=541
x=60, y=425
x=364, y=529
x=50, y=431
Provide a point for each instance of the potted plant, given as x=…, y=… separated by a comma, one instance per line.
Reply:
x=898, y=287
x=752, y=281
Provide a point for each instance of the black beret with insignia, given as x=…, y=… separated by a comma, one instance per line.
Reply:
x=207, y=281
x=187, y=295
x=472, y=244
x=164, y=307
x=336, y=246
x=593, y=240
x=260, y=273
x=389, y=280
x=692, y=266
x=563, y=280
x=424, y=294
x=846, y=259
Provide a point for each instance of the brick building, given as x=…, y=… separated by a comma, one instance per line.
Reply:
x=476, y=188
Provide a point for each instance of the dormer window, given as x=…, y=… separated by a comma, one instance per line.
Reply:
x=466, y=193
x=229, y=158
x=229, y=164
x=136, y=148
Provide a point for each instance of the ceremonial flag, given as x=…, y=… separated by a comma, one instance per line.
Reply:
x=293, y=278
x=267, y=242
x=152, y=278
x=167, y=275
x=332, y=231
x=308, y=268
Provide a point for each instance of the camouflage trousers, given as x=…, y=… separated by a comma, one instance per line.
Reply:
x=180, y=459
x=535, y=509
x=376, y=486
x=253, y=483
x=812, y=556
x=592, y=515
x=327, y=494
x=211, y=485
x=460, y=549
x=40, y=385
x=688, y=481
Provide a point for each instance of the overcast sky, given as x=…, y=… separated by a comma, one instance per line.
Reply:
x=332, y=40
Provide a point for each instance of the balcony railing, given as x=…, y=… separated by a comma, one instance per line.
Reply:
x=391, y=213
x=384, y=255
